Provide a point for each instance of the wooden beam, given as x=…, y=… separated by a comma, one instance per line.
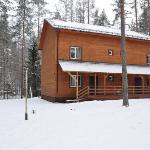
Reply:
x=142, y=78
x=95, y=84
x=72, y=76
x=105, y=76
x=142, y=84
x=77, y=88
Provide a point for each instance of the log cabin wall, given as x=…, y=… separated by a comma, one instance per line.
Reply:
x=49, y=62
x=95, y=47
x=55, y=82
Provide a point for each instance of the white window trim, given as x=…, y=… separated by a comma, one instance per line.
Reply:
x=75, y=82
x=110, y=52
x=75, y=48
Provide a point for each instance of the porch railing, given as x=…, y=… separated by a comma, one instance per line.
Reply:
x=112, y=90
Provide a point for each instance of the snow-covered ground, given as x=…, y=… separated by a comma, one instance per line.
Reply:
x=78, y=126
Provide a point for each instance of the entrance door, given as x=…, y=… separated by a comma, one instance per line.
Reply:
x=138, y=85
x=92, y=81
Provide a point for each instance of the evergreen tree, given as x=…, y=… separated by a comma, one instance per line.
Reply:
x=80, y=11
x=4, y=44
x=103, y=20
x=84, y=10
x=66, y=9
x=23, y=31
x=116, y=10
x=96, y=17
x=144, y=20
x=134, y=6
x=57, y=15
x=33, y=65
x=8, y=57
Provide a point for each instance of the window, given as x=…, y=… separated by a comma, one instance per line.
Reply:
x=110, y=52
x=110, y=78
x=75, y=53
x=72, y=81
x=148, y=59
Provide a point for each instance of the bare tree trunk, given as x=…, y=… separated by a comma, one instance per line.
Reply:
x=123, y=55
x=148, y=16
x=83, y=11
x=136, y=16
x=71, y=15
x=38, y=21
x=22, y=55
x=4, y=47
x=88, y=11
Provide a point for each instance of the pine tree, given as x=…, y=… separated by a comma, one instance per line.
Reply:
x=39, y=12
x=84, y=10
x=66, y=9
x=23, y=31
x=103, y=20
x=96, y=17
x=123, y=56
x=116, y=10
x=80, y=11
x=33, y=65
x=4, y=44
x=8, y=57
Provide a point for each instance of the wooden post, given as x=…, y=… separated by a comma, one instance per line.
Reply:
x=133, y=90
x=142, y=84
x=105, y=76
x=95, y=84
x=77, y=88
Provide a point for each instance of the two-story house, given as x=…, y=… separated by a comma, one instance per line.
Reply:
x=84, y=61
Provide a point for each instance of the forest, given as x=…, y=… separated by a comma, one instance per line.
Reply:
x=21, y=24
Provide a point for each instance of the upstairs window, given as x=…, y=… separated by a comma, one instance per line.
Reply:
x=75, y=53
x=110, y=52
x=148, y=59
x=72, y=81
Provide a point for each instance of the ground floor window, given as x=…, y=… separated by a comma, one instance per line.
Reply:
x=73, y=82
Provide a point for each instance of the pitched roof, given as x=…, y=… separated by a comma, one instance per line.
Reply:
x=95, y=29
x=76, y=66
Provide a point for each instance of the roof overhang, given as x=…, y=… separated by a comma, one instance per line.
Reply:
x=95, y=67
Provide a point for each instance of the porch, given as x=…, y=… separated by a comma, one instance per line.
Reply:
x=102, y=82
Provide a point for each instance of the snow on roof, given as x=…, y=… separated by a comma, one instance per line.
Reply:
x=76, y=66
x=96, y=29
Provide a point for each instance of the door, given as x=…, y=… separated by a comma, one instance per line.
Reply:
x=92, y=81
x=138, y=85
x=92, y=84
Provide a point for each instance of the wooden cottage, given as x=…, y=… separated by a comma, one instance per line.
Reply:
x=82, y=61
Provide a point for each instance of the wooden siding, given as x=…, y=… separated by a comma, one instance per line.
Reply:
x=49, y=62
x=55, y=82
x=94, y=47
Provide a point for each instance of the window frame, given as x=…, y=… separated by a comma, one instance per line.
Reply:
x=148, y=57
x=75, y=49
x=79, y=82
x=110, y=52
x=110, y=77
